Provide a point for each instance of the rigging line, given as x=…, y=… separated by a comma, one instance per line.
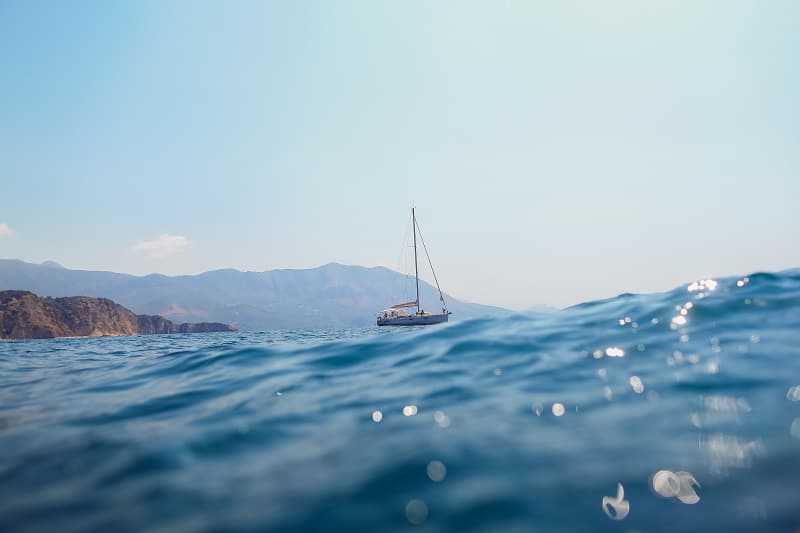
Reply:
x=407, y=281
x=441, y=296
x=402, y=266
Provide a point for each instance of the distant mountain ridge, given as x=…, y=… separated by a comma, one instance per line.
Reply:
x=23, y=315
x=332, y=295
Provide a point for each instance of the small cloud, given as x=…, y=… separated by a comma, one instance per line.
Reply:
x=5, y=230
x=162, y=246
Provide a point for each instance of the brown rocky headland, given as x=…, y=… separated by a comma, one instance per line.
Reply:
x=24, y=315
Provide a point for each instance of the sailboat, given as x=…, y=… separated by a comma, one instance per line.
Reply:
x=397, y=315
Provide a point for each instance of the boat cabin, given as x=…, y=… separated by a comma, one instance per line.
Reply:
x=393, y=313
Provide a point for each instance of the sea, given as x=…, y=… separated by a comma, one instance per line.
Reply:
x=677, y=411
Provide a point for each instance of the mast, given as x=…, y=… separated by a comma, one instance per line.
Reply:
x=416, y=269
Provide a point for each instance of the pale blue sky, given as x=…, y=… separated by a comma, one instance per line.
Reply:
x=557, y=152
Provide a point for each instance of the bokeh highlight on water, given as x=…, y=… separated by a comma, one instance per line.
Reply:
x=677, y=411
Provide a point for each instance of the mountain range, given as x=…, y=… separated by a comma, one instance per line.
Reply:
x=332, y=295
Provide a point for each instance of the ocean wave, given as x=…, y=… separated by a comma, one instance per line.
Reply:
x=526, y=422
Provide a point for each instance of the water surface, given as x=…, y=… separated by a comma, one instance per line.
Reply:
x=519, y=424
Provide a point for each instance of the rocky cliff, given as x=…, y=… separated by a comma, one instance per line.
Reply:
x=23, y=315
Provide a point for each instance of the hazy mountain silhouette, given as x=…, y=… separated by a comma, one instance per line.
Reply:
x=332, y=295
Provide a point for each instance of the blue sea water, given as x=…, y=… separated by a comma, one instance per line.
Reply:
x=519, y=424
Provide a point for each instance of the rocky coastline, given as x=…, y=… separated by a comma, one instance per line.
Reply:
x=24, y=315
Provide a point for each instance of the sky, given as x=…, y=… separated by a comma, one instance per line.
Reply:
x=556, y=152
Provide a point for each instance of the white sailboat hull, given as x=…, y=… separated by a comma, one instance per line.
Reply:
x=412, y=320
